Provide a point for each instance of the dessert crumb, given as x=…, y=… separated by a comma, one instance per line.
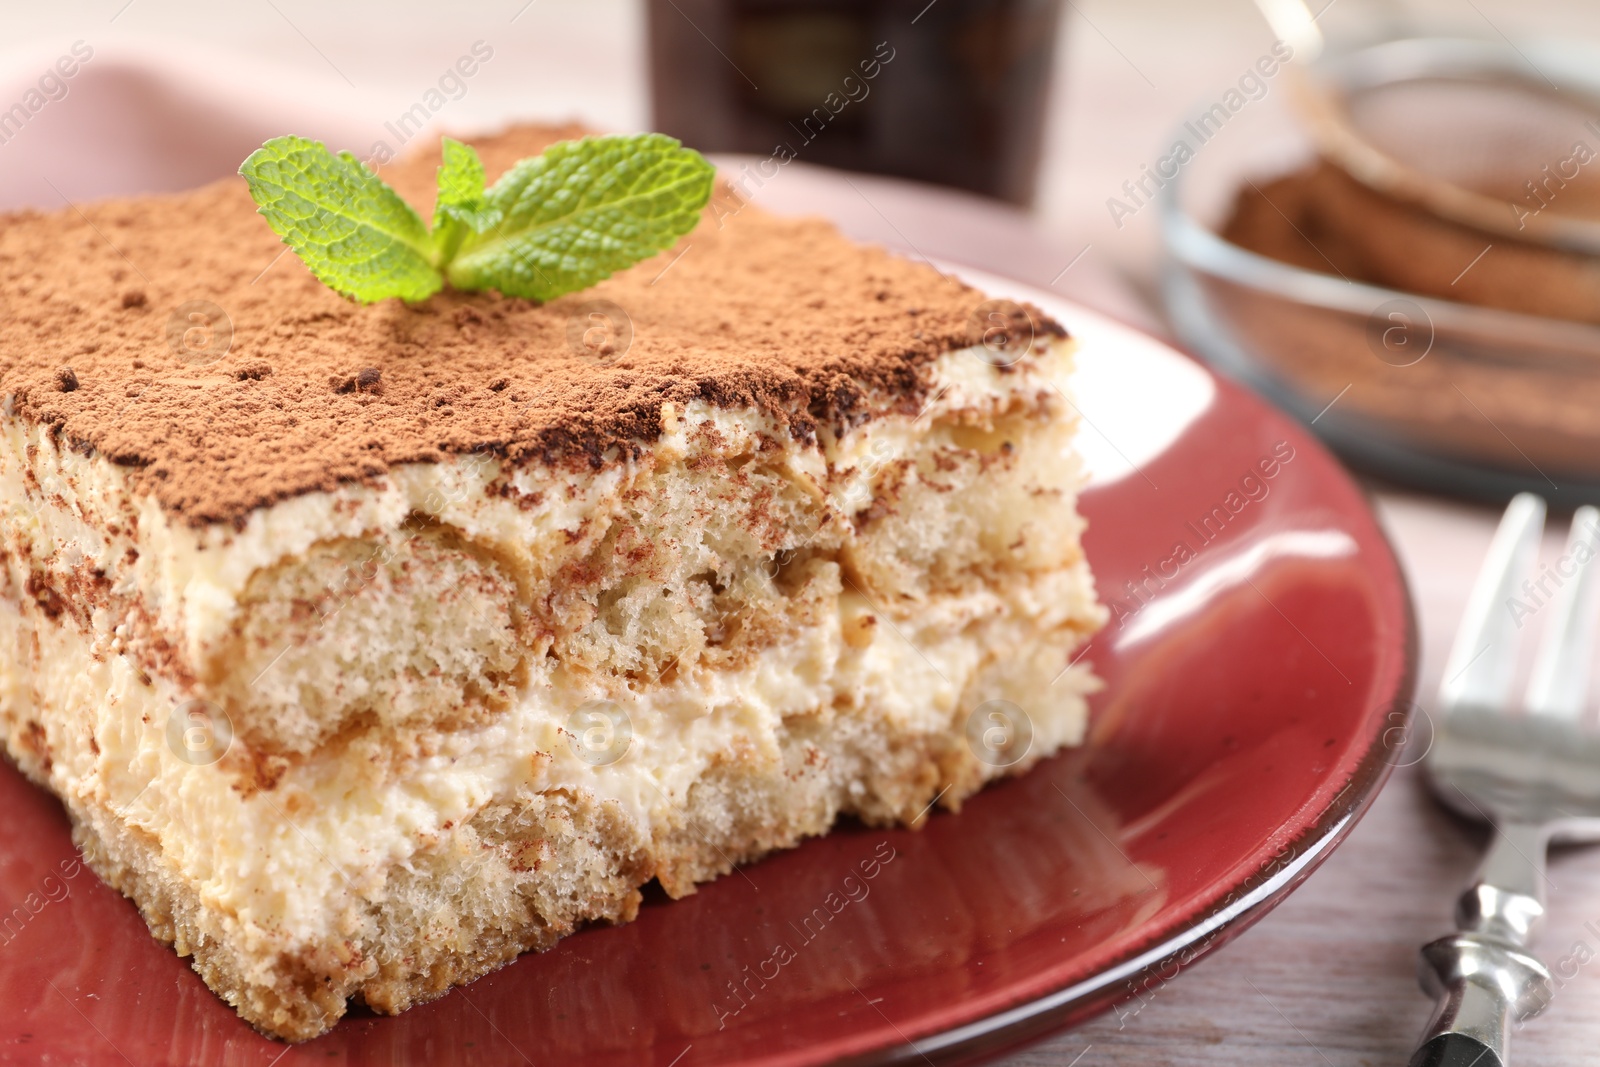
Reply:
x=366, y=380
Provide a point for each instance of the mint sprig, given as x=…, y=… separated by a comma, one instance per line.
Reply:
x=554, y=224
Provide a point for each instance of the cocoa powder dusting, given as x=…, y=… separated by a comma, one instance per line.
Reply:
x=295, y=389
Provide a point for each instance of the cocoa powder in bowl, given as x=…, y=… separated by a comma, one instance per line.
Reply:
x=1322, y=219
x=1523, y=404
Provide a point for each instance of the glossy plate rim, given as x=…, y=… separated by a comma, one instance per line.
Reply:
x=1039, y=1017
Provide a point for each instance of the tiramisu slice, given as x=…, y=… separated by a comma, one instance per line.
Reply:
x=369, y=646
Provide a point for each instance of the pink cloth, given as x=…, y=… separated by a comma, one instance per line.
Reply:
x=137, y=119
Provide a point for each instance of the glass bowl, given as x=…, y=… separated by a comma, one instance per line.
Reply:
x=1437, y=394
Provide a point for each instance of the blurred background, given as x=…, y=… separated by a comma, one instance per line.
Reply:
x=1126, y=72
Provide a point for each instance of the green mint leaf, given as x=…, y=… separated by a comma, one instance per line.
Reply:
x=353, y=231
x=554, y=224
x=461, y=182
x=582, y=211
x=459, y=209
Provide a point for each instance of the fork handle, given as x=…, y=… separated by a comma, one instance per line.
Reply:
x=1480, y=976
x=1455, y=1050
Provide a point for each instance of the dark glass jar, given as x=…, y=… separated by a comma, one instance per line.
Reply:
x=951, y=92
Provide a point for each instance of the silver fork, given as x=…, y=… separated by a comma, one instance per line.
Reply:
x=1535, y=776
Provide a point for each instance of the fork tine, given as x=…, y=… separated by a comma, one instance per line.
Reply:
x=1484, y=656
x=1560, y=683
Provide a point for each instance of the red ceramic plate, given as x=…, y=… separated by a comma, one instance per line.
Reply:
x=1258, y=670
